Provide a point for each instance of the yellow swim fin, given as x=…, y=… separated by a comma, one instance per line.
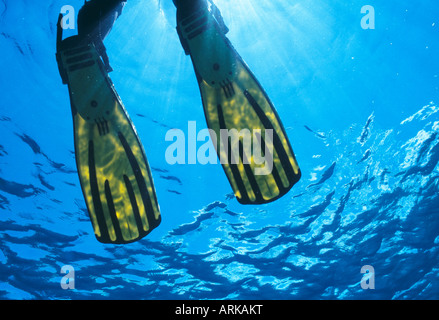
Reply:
x=114, y=172
x=237, y=109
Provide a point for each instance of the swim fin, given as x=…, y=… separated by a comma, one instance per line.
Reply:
x=234, y=101
x=113, y=170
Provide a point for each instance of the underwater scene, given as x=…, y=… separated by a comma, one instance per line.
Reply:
x=353, y=211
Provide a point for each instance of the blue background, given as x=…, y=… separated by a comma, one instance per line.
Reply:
x=358, y=105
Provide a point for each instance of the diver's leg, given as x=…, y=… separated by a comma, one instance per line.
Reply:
x=96, y=22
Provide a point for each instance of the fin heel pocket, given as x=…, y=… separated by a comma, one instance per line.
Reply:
x=78, y=57
x=191, y=27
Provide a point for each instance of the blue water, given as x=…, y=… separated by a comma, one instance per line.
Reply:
x=360, y=108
